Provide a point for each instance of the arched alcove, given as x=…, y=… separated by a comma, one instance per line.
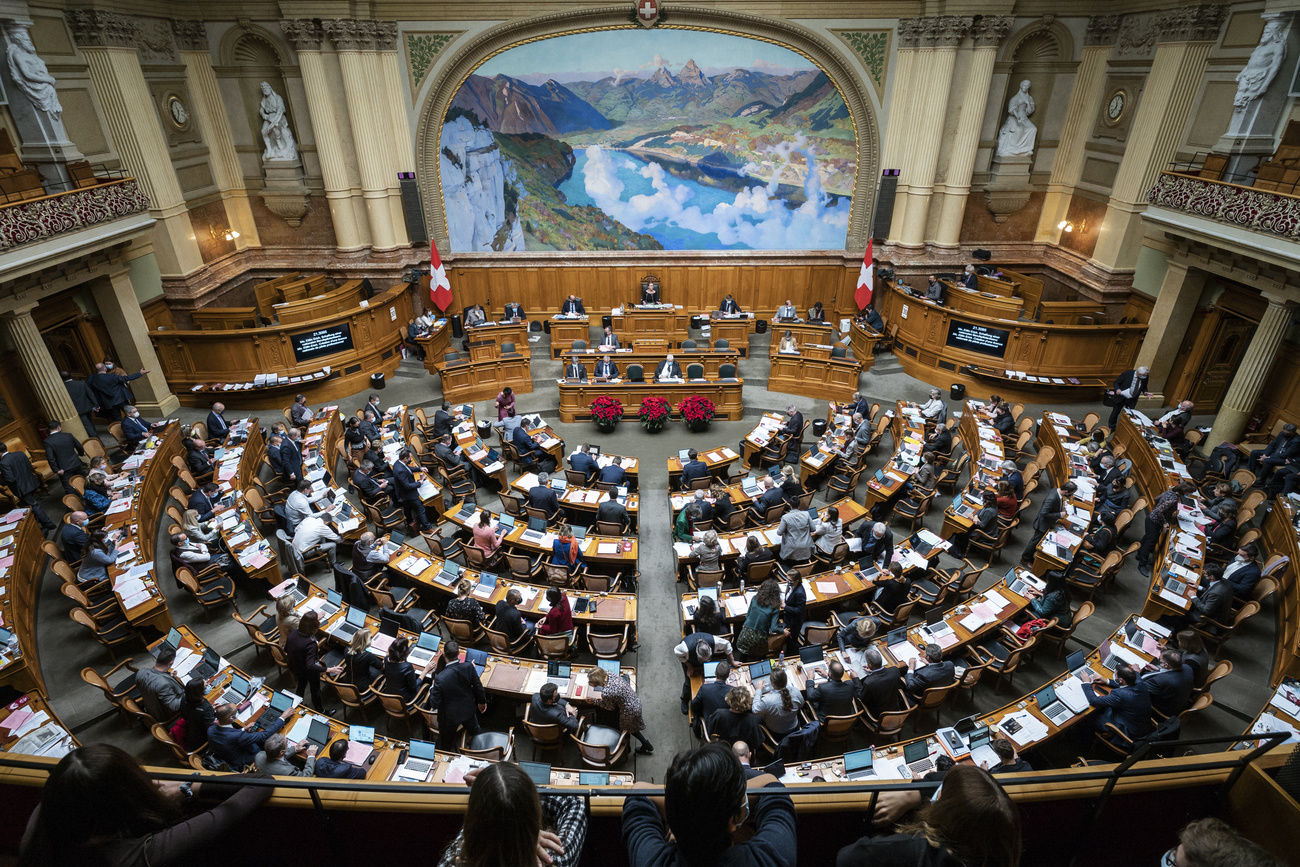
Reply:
x=252, y=55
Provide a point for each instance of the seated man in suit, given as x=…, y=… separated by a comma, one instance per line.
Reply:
x=712, y=695
x=794, y=421
x=729, y=307
x=1170, y=684
x=370, y=488
x=693, y=469
x=475, y=316
x=611, y=511
x=858, y=406
x=548, y=707
x=73, y=538
x=874, y=320
x=614, y=474
x=235, y=746
x=609, y=340
x=877, y=544
x=573, y=307
x=216, y=423
x=878, y=688
x=274, y=758
x=135, y=429
x=1212, y=602
x=1280, y=449
x=530, y=453
x=575, y=370
x=940, y=442
x=204, y=500
x=606, y=369
x=787, y=312
x=668, y=369
x=335, y=766
x=445, y=451
x=540, y=496
x=1243, y=573
x=584, y=463
x=770, y=497
x=1127, y=705
x=934, y=290
x=936, y=671
x=514, y=312
x=369, y=425
x=509, y=620
x=835, y=696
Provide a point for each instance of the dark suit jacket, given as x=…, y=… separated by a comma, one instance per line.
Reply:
x=794, y=426
x=1243, y=581
x=771, y=497
x=873, y=550
x=135, y=429
x=613, y=512
x=585, y=464
x=408, y=488
x=542, y=497
x=457, y=692
x=613, y=475
x=970, y=281
x=64, y=452
x=574, y=306
x=524, y=443
x=1128, y=707
x=940, y=441
x=609, y=370
x=277, y=463
x=1126, y=379
x=200, y=503
x=237, y=747
x=663, y=368
x=693, y=470
x=112, y=388
x=1017, y=483
x=729, y=305
x=729, y=726
x=931, y=675
x=327, y=767
x=878, y=690
x=553, y=713
x=1048, y=511
x=509, y=620
x=1213, y=603
x=217, y=427
x=1170, y=690
x=443, y=422
x=833, y=698
x=711, y=697
x=575, y=370
x=83, y=400
x=291, y=459
x=514, y=310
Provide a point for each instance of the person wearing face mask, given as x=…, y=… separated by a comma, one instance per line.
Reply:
x=73, y=537
x=1243, y=573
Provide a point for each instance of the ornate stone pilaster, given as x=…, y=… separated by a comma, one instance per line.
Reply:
x=99, y=29
x=304, y=34
x=350, y=34
x=1191, y=23
x=910, y=32
x=935, y=61
x=1102, y=30
x=190, y=34
x=1255, y=365
x=385, y=35
x=1167, y=326
x=949, y=30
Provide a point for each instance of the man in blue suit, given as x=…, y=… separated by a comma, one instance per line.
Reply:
x=235, y=746
x=111, y=389
x=584, y=463
x=1243, y=573
x=1170, y=685
x=291, y=456
x=135, y=429
x=1127, y=705
x=408, y=491
x=573, y=305
x=335, y=766
x=693, y=469
x=614, y=474
x=540, y=496
x=1013, y=477
x=201, y=501
x=530, y=454
x=216, y=423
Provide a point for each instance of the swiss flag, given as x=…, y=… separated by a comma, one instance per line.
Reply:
x=439, y=287
x=866, y=279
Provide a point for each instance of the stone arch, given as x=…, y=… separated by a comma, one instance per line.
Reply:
x=792, y=36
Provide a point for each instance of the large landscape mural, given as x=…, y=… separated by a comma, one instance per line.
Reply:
x=638, y=139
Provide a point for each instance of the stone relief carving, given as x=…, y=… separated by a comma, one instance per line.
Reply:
x=97, y=28
x=1263, y=65
x=1137, y=36
x=190, y=34
x=304, y=34
x=1102, y=30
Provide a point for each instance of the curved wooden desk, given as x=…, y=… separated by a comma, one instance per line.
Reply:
x=935, y=343
x=576, y=397
x=206, y=358
x=21, y=581
x=670, y=323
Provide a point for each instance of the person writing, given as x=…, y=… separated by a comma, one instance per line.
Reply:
x=668, y=369
x=729, y=307
x=788, y=343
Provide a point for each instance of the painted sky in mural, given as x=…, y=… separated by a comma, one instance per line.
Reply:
x=638, y=139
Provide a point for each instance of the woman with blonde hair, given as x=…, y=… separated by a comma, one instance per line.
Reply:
x=197, y=530
x=736, y=722
x=286, y=620
x=463, y=607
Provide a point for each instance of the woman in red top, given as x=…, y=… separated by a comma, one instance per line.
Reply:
x=1007, y=504
x=505, y=402
x=559, y=619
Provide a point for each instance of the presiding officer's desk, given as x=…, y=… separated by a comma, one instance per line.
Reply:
x=983, y=303
x=668, y=321
x=935, y=343
x=735, y=329
x=712, y=359
x=355, y=344
x=576, y=397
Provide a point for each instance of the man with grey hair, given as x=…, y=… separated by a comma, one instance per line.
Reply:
x=540, y=496
x=861, y=430
x=877, y=546
x=275, y=756
x=796, y=536
x=370, y=488
x=1012, y=476
x=1130, y=386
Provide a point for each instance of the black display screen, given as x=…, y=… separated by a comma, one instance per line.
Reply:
x=321, y=342
x=977, y=338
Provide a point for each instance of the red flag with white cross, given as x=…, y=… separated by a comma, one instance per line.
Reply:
x=439, y=287
x=866, y=279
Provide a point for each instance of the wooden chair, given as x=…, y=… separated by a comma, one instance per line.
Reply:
x=597, y=583
x=913, y=508
x=558, y=646
x=897, y=620
x=257, y=627
x=185, y=758
x=488, y=746
x=109, y=635
x=352, y=697
x=216, y=591
x=523, y=567
x=1004, y=653
x=964, y=587
x=1059, y=634
x=965, y=684
x=891, y=722
x=932, y=700
x=466, y=633
x=1218, y=673
x=476, y=559
x=125, y=688
x=601, y=746
x=949, y=477
x=704, y=577
x=398, y=708
x=609, y=645
x=814, y=633
x=545, y=736
x=501, y=643
x=1216, y=634
x=836, y=729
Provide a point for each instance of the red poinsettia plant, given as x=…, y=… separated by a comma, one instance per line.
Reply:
x=697, y=408
x=654, y=411
x=606, y=408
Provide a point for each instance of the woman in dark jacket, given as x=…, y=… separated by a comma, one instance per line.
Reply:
x=197, y=712
x=755, y=552
x=793, y=612
x=353, y=438
x=304, y=663
x=737, y=721
x=984, y=528
x=399, y=675
x=891, y=592
x=361, y=668
x=1053, y=600
x=1223, y=532
x=709, y=618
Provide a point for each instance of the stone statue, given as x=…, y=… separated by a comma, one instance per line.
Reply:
x=279, y=140
x=1263, y=65
x=1018, y=133
x=31, y=75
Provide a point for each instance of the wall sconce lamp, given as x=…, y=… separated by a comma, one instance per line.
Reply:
x=1067, y=226
x=219, y=235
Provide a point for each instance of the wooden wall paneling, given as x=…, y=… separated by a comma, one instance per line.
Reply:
x=1191, y=352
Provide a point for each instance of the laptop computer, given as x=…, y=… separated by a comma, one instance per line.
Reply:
x=1108, y=659
x=487, y=581
x=449, y=574
x=1173, y=585
x=593, y=778
x=610, y=665
x=559, y=485
x=579, y=533
x=426, y=648
x=421, y=758
x=1018, y=584
x=173, y=640
x=776, y=769
x=318, y=733
x=1052, y=708
x=466, y=512
x=981, y=747
x=210, y=665
x=916, y=755
x=389, y=624
x=859, y=764
x=351, y=625
x=683, y=455
x=333, y=602
x=1077, y=664
x=280, y=702
x=394, y=542
x=559, y=674
x=236, y=692
x=538, y=772
x=759, y=674
x=812, y=654
x=710, y=669
x=506, y=524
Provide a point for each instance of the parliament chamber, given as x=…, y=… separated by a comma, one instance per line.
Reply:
x=434, y=429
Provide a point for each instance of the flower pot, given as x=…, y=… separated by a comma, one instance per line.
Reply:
x=698, y=425
x=606, y=425
x=653, y=426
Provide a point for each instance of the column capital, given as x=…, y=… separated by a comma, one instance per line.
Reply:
x=385, y=35
x=934, y=31
x=350, y=34
x=990, y=30
x=1274, y=299
x=1191, y=23
x=191, y=34
x=1102, y=30
x=95, y=28
x=909, y=32
x=304, y=34
x=21, y=310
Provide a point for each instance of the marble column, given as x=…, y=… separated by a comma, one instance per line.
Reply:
x=351, y=231
x=120, y=308
x=384, y=132
x=403, y=153
x=1187, y=35
x=34, y=105
x=933, y=86
x=107, y=41
x=988, y=35
x=192, y=39
x=353, y=39
x=896, y=152
x=1253, y=370
x=42, y=375
x=1168, y=325
x=1085, y=102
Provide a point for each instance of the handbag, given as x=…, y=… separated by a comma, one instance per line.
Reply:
x=1108, y=397
x=1028, y=629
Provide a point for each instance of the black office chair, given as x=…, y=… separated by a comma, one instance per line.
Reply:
x=839, y=351
x=579, y=346
x=695, y=371
x=727, y=371
x=451, y=356
x=688, y=344
x=635, y=373
x=507, y=349
x=722, y=343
